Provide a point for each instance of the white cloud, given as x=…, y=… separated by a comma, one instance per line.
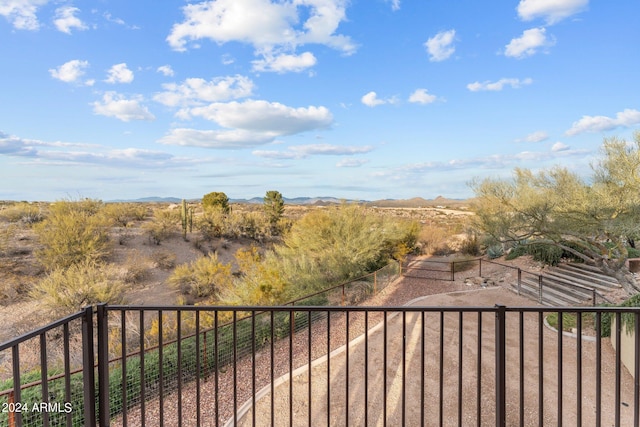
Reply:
x=371, y=99
x=166, y=70
x=440, y=46
x=119, y=73
x=537, y=136
x=22, y=13
x=195, y=91
x=116, y=105
x=263, y=116
x=625, y=118
x=70, y=71
x=552, y=11
x=303, y=151
x=66, y=20
x=285, y=63
x=559, y=146
x=395, y=4
x=528, y=43
x=270, y=26
x=219, y=139
x=499, y=85
x=351, y=163
x=421, y=96
x=78, y=153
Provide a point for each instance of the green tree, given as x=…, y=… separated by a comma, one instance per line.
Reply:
x=589, y=219
x=273, y=206
x=217, y=200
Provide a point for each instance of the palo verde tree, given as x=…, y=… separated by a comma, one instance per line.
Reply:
x=273, y=206
x=592, y=220
x=216, y=200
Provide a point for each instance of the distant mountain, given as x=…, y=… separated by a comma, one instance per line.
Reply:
x=149, y=200
x=295, y=200
x=416, y=202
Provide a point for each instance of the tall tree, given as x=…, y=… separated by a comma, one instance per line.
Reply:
x=273, y=206
x=593, y=220
x=218, y=200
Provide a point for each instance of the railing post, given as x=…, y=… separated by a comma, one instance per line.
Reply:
x=480, y=267
x=540, y=287
x=88, y=375
x=103, y=366
x=500, y=351
x=519, y=280
x=375, y=283
x=452, y=268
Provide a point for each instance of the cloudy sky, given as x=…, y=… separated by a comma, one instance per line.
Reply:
x=360, y=99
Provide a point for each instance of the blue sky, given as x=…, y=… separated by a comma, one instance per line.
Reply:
x=353, y=99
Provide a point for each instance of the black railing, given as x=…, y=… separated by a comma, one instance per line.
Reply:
x=331, y=366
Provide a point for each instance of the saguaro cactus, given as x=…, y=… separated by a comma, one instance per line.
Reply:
x=186, y=215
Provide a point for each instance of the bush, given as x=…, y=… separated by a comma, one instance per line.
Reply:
x=66, y=290
x=433, y=240
x=204, y=277
x=28, y=213
x=336, y=244
x=163, y=225
x=216, y=200
x=164, y=260
x=470, y=245
x=73, y=232
x=545, y=252
x=122, y=214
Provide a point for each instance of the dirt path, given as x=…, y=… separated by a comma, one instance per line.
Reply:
x=333, y=410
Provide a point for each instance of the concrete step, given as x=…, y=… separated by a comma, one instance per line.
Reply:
x=560, y=276
x=550, y=299
x=553, y=294
x=590, y=272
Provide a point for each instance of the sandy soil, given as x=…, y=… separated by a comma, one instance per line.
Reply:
x=405, y=375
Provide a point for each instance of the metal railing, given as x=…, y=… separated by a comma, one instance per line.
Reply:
x=335, y=366
x=446, y=270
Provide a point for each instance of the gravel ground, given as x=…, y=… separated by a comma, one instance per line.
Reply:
x=219, y=399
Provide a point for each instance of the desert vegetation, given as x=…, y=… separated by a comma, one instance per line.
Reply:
x=557, y=213
x=57, y=257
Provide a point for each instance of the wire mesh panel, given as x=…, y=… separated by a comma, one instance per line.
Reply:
x=45, y=375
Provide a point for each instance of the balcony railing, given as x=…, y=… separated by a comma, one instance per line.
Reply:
x=311, y=365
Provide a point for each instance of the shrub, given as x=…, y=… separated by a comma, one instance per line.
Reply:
x=122, y=214
x=66, y=290
x=433, y=240
x=204, y=277
x=136, y=267
x=341, y=243
x=545, y=252
x=28, y=213
x=211, y=224
x=261, y=281
x=216, y=200
x=470, y=245
x=163, y=225
x=73, y=232
x=164, y=260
